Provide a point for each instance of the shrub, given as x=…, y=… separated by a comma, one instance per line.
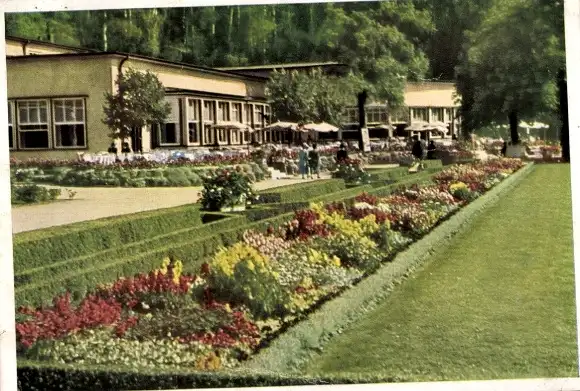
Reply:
x=352, y=172
x=226, y=188
x=28, y=194
x=241, y=275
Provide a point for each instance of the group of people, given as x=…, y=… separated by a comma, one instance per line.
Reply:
x=309, y=161
x=421, y=150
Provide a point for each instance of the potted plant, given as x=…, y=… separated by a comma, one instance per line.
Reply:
x=226, y=190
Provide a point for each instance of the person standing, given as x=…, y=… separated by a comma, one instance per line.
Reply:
x=314, y=162
x=431, y=150
x=303, y=160
x=342, y=154
x=418, y=150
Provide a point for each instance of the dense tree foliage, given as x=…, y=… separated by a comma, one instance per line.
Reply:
x=138, y=101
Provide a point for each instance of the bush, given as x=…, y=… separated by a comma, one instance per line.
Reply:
x=352, y=172
x=241, y=275
x=226, y=188
x=29, y=194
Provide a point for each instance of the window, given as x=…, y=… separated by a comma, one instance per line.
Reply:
x=249, y=110
x=351, y=115
x=169, y=132
x=223, y=111
x=237, y=112
x=10, y=125
x=246, y=137
x=69, y=123
x=222, y=135
x=193, y=121
x=235, y=136
x=258, y=116
x=267, y=136
x=421, y=114
x=376, y=114
x=208, y=111
x=267, y=115
x=437, y=114
x=208, y=134
x=33, y=124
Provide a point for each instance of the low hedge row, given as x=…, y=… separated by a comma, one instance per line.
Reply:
x=277, y=365
x=84, y=273
x=38, y=248
x=289, y=352
x=301, y=192
x=39, y=377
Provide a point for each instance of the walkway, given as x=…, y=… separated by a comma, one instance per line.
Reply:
x=92, y=203
x=497, y=304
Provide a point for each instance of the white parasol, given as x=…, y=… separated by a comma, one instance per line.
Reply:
x=233, y=125
x=322, y=127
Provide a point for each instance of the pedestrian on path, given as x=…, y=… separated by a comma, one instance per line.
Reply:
x=314, y=162
x=303, y=160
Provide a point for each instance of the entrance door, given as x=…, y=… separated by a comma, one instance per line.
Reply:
x=137, y=140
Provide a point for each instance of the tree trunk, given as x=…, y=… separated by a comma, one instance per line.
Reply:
x=513, y=118
x=563, y=103
x=362, y=98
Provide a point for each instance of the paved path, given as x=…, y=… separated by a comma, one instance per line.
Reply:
x=92, y=203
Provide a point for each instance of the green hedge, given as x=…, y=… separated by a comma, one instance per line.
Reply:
x=38, y=248
x=85, y=273
x=302, y=191
x=423, y=177
x=39, y=377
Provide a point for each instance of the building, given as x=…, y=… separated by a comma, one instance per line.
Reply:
x=56, y=98
x=56, y=95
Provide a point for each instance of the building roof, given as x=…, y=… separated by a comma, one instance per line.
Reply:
x=137, y=57
x=285, y=66
x=48, y=44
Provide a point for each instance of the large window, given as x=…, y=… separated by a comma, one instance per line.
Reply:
x=267, y=118
x=437, y=114
x=69, y=123
x=222, y=135
x=169, y=132
x=223, y=111
x=193, y=121
x=208, y=121
x=209, y=111
x=376, y=115
x=208, y=132
x=420, y=114
x=33, y=130
x=237, y=112
x=11, y=125
x=258, y=116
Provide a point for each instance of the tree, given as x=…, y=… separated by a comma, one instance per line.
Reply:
x=315, y=97
x=139, y=101
x=510, y=70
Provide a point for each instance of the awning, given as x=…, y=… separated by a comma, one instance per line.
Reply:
x=233, y=125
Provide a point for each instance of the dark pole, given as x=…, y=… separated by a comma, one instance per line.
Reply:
x=362, y=118
x=563, y=103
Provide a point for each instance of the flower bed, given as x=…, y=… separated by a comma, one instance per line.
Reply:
x=251, y=291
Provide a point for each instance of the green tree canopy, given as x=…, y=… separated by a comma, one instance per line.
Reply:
x=510, y=70
x=139, y=101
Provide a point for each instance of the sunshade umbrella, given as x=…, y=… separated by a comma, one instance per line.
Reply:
x=418, y=126
x=282, y=126
x=322, y=127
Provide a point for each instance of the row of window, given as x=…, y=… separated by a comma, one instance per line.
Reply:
x=201, y=114
x=36, y=124
x=379, y=115
x=47, y=123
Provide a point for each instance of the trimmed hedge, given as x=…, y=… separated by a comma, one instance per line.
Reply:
x=85, y=273
x=292, y=349
x=39, y=377
x=302, y=191
x=38, y=248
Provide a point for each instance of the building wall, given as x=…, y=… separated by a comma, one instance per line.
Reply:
x=50, y=78
x=14, y=48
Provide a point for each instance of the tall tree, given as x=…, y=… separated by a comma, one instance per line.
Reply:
x=512, y=65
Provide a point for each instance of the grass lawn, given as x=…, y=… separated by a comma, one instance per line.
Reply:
x=498, y=303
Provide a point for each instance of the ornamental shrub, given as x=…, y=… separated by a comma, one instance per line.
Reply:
x=226, y=188
x=241, y=275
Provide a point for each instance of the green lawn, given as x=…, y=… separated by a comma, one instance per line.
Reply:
x=498, y=303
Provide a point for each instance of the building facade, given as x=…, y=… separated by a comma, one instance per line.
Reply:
x=56, y=100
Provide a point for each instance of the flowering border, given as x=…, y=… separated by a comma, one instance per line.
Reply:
x=296, y=345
